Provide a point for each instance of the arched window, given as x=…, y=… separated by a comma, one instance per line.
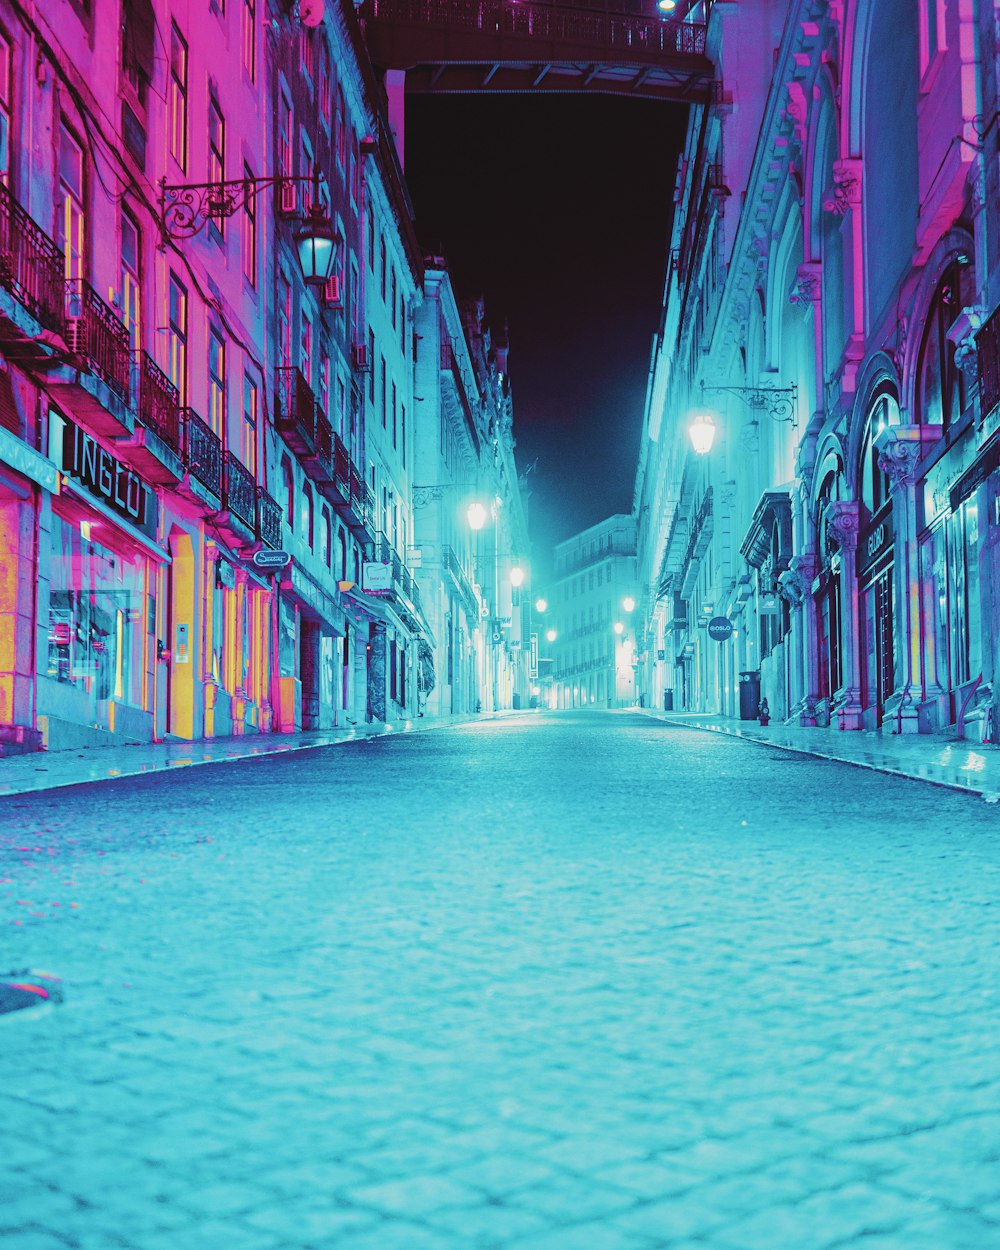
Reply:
x=307, y=530
x=873, y=481
x=941, y=395
x=326, y=539
x=288, y=482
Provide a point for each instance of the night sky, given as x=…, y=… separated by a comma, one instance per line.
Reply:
x=557, y=210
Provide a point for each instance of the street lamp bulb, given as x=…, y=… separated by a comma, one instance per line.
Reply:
x=517, y=576
x=701, y=431
x=476, y=516
x=619, y=628
x=541, y=605
x=666, y=6
x=628, y=603
x=551, y=635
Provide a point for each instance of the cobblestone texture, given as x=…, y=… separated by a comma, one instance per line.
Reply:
x=592, y=983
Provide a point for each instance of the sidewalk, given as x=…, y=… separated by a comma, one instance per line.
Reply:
x=45, y=770
x=938, y=758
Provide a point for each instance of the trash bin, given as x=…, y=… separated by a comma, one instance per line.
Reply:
x=749, y=695
x=668, y=700
x=516, y=702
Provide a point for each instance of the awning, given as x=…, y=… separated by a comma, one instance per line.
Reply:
x=378, y=609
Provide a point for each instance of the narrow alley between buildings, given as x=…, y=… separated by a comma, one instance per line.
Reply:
x=567, y=981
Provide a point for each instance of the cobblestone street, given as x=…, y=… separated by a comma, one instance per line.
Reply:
x=555, y=983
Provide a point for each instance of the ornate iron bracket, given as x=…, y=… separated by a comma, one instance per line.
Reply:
x=185, y=209
x=777, y=401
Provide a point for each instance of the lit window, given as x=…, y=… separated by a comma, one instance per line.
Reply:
x=250, y=38
x=177, y=96
x=6, y=107
x=249, y=248
x=216, y=153
x=72, y=226
x=217, y=383
x=178, y=336
x=131, y=282
x=249, y=440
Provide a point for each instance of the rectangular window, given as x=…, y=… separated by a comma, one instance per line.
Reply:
x=395, y=437
x=393, y=288
x=216, y=153
x=356, y=171
x=6, y=106
x=324, y=384
x=382, y=256
x=131, y=280
x=371, y=365
x=177, y=96
x=341, y=137
x=307, y=55
x=284, y=322
x=249, y=248
x=72, y=226
x=324, y=90
x=249, y=38
x=306, y=348
x=342, y=409
x=177, y=321
x=217, y=383
x=402, y=431
x=402, y=326
x=249, y=438
x=284, y=134
x=383, y=394
x=371, y=242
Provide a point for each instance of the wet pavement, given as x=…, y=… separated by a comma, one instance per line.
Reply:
x=550, y=983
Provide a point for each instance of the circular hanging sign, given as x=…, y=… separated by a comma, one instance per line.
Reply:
x=720, y=628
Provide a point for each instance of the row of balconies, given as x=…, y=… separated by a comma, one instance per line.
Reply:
x=97, y=343
x=302, y=423
x=381, y=551
x=453, y=567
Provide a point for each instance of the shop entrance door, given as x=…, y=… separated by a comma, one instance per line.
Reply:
x=309, y=672
x=878, y=663
x=181, y=636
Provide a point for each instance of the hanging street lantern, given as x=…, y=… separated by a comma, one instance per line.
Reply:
x=318, y=243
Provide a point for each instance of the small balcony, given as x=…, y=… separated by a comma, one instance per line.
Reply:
x=453, y=567
x=31, y=270
x=357, y=505
x=202, y=451
x=319, y=464
x=239, y=491
x=295, y=411
x=155, y=446
x=268, y=520
x=335, y=479
x=404, y=584
x=101, y=359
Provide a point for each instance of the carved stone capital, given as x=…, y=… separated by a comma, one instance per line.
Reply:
x=843, y=523
x=808, y=285
x=845, y=193
x=899, y=450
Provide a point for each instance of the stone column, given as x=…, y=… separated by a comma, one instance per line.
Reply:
x=899, y=448
x=842, y=526
x=796, y=586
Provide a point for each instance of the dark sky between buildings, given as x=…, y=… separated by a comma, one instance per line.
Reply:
x=556, y=209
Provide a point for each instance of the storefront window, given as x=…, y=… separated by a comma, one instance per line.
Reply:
x=97, y=617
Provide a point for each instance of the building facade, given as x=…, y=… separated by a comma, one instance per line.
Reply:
x=596, y=617
x=206, y=519
x=830, y=316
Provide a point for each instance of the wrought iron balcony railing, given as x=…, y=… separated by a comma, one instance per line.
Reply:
x=239, y=494
x=453, y=565
x=97, y=336
x=295, y=411
x=202, y=451
x=31, y=266
x=268, y=519
x=157, y=401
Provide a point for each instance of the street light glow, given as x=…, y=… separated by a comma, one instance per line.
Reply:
x=628, y=603
x=619, y=628
x=476, y=516
x=517, y=576
x=551, y=635
x=541, y=605
x=702, y=432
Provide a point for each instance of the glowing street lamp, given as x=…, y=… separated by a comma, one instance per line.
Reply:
x=517, y=576
x=551, y=635
x=666, y=6
x=476, y=516
x=701, y=431
x=541, y=605
x=628, y=603
x=619, y=628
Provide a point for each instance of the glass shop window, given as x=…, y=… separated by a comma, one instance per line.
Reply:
x=97, y=617
x=942, y=389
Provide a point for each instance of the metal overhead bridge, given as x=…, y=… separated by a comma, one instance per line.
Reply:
x=534, y=46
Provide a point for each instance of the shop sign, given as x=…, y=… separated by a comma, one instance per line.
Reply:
x=106, y=477
x=877, y=540
x=533, y=657
x=376, y=578
x=984, y=464
x=271, y=559
x=720, y=628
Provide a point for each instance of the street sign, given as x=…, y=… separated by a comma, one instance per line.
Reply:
x=720, y=628
x=376, y=578
x=271, y=559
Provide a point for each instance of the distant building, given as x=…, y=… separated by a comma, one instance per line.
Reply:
x=595, y=615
